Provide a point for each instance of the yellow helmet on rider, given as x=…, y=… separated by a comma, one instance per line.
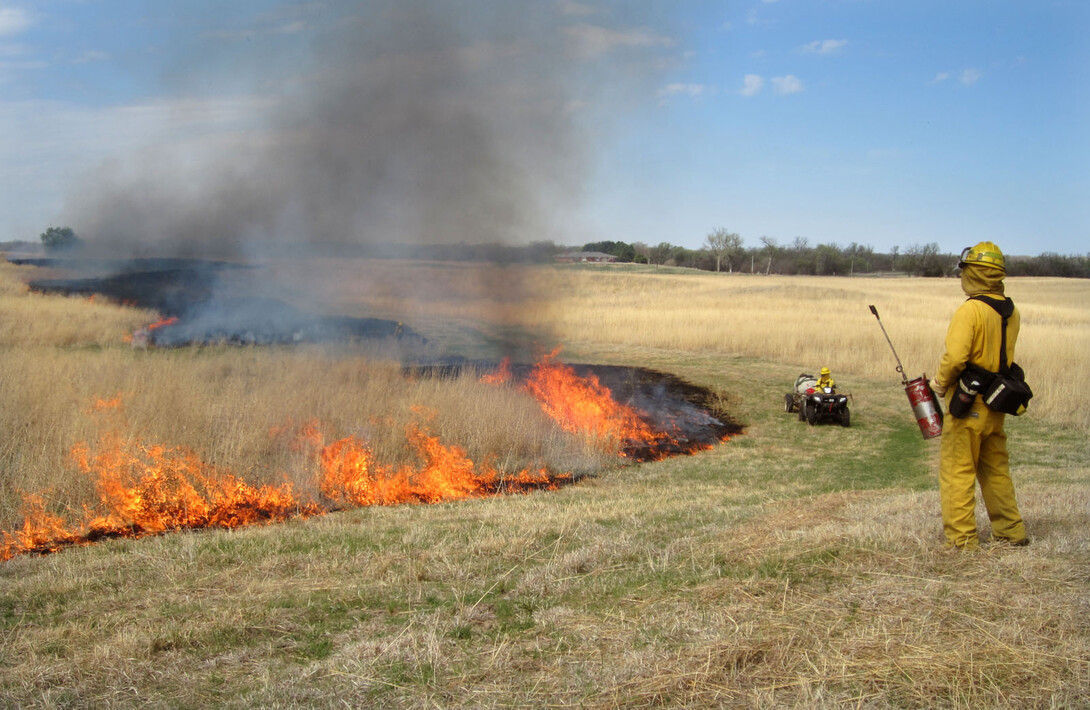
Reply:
x=825, y=372
x=983, y=254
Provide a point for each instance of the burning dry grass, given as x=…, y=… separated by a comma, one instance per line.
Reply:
x=796, y=567
x=245, y=411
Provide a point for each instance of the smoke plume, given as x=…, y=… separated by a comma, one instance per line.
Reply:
x=371, y=123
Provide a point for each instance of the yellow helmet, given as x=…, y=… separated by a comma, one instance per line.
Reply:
x=825, y=371
x=985, y=254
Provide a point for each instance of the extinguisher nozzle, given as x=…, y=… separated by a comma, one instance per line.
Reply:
x=874, y=311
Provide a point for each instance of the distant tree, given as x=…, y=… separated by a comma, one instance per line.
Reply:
x=622, y=250
x=770, y=250
x=925, y=260
x=726, y=246
x=660, y=254
x=60, y=239
x=828, y=260
x=1050, y=264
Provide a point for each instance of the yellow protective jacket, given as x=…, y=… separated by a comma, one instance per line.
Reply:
x=976, y=330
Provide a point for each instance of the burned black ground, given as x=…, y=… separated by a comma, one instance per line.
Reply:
x=691, y=418
x=190, y=291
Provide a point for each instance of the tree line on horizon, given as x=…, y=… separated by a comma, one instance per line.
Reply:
x=722, y=251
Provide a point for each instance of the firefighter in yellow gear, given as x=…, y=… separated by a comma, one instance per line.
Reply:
x=825, y=379
x=974, y=448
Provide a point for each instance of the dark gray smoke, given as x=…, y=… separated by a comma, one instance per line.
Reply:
x=376, y=122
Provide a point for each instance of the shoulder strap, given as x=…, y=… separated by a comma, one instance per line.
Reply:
x=1005, y=308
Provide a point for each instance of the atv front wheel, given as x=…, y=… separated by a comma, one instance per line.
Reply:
x=845, y=418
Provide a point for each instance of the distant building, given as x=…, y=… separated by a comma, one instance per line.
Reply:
x=585, y=256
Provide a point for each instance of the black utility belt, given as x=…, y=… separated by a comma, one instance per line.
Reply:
x=1002, y=392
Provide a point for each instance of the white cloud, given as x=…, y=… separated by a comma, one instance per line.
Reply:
x=13, y=21
x=824, y=46
x=789, y=84
x=752, y=85
x=967, y=77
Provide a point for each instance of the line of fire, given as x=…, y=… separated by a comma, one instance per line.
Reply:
x=149, y=488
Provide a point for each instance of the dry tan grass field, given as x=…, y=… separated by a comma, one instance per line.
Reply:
x=793, y=566
x=797, y=321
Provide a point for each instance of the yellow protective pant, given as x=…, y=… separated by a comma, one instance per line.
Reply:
x=974, y=449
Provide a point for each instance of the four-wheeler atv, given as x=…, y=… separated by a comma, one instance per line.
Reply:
x=814, y=404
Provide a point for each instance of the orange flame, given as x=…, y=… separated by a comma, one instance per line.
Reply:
x=101, y=405
x=140, y=336
x=154, y=489
x=501, y=376
x=162, y=322
x=583, y=405
x=350, y=475
x=150, y=489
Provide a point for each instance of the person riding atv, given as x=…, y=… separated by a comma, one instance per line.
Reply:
x=816, y=399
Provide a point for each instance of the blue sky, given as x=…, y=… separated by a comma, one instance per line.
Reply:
x=836, y=121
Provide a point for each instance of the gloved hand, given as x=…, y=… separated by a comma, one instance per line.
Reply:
x=938, y=390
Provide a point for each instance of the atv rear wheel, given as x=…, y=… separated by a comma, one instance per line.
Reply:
x=788, y=403
x=802, y=410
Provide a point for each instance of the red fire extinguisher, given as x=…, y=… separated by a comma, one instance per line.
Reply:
x=925, y=405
